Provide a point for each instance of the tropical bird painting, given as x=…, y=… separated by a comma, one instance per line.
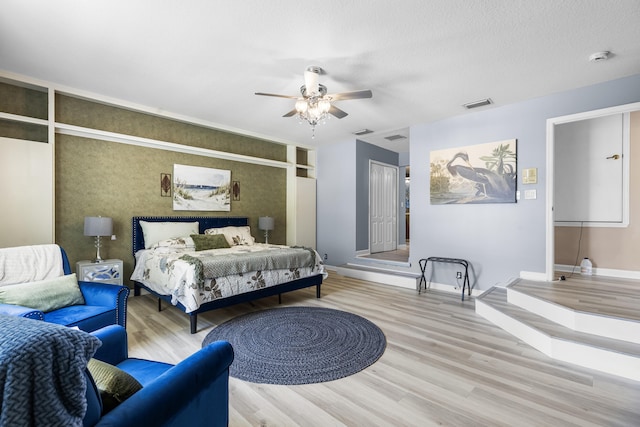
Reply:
x=483, y=173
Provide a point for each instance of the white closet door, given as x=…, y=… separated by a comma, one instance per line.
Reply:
x=390, y=210
x=588, y=175
x=383, y=212
x=306, y=212
x=26, y=185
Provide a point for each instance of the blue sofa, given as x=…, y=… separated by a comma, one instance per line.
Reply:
x=193, y=393
x=105, y=304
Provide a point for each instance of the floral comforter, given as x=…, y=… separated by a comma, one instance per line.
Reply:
x=188, y=276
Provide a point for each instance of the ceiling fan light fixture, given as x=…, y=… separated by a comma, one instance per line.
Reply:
x=324, y=106
x=302, y=106
x=314, y=106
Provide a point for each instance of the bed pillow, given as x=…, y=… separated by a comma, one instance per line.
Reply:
x=176, y=243
x=209, y=241
x=235, y=235
x=157, y=231
x=44, y=295
x=114, y=384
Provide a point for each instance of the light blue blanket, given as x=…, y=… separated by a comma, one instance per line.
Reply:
x=42, y=373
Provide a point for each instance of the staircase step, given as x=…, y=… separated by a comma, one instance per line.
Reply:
x=612, y=310
x=379, y=275
x=608, y=355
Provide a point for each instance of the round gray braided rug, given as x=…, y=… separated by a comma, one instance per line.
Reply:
x=299, y=345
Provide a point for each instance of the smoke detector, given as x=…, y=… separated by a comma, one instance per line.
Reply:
x=599, y=56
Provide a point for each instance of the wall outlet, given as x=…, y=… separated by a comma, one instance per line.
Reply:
x=458, y=274
x=326, y=257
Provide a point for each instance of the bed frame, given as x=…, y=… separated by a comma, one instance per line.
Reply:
x=212, y=222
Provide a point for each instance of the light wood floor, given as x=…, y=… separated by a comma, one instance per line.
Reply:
x=608, y=296
x=444, y=365
x=399, y=255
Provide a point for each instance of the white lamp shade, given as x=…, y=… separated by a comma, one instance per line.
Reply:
x=97, y=226
x=266, y=223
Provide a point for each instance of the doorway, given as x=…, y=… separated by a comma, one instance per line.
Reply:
x=553, y=127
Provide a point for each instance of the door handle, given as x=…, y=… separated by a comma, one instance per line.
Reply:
x=614, y=157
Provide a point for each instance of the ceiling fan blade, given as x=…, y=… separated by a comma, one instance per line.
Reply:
x=291, y=113
x=359, y=94
x=336, y=112
x=276, y=95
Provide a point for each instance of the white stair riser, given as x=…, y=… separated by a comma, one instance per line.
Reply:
x=529, y=335
x=591, y=323
x=584, y=355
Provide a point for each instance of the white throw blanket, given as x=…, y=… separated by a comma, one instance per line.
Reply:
x=24, y=264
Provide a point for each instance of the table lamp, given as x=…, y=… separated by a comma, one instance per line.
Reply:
x=97, y=227
x=265, y=223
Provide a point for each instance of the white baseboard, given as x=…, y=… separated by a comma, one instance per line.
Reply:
x=533, y=275
x=609, y=272
x=408, y=281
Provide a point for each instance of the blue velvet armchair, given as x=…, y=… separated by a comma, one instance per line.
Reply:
x=105, y=304
x=193, y=393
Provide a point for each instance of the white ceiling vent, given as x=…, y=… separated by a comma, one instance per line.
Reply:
x=476, y=104
x=599, y=56
x=394, y=137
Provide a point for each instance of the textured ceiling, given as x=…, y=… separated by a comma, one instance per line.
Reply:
x=422, y=59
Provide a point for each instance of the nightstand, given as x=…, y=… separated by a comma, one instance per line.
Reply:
x=108, y=271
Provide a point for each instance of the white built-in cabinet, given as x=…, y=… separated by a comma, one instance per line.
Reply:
x=26, y=169
x=301, y=197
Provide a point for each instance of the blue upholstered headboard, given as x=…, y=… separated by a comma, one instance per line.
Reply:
x=204, y=223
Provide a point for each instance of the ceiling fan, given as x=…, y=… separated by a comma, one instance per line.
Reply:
x=314, y=104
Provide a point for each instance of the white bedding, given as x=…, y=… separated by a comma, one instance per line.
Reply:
x=162, y=270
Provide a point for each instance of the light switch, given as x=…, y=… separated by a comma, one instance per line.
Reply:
x=530, y=194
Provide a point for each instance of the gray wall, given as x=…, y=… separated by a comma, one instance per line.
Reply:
x=499, y=240
x=336, y=202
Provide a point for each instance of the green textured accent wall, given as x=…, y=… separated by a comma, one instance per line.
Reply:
x=80, y=112
x=23, y=101
x=111, y=179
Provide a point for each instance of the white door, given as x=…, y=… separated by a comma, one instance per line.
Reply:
x=26, y=185
x=383, y=212
x=588, y=170
x=305, y=212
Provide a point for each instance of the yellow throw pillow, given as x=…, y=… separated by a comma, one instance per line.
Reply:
x=44, y=295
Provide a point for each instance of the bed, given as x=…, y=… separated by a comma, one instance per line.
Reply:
x=197, y=281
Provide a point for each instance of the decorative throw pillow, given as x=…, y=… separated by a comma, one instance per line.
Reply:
x=234, y=235
x=156, y=231
x=44, y=295
x=114, y=384
x=175, y=243
x=209, y=241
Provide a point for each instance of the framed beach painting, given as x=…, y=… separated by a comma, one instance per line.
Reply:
x=201, y=189
x=482, y=173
